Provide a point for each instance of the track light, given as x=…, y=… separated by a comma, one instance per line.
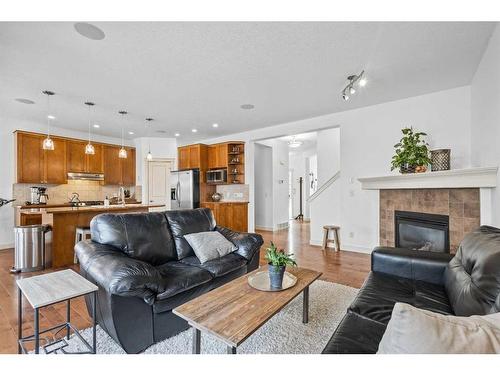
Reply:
x=354, y=80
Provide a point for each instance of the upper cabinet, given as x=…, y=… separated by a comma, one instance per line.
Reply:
x=193, y=156
x=217, y=156
x=35, y=165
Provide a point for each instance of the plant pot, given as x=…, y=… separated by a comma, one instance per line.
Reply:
x=404, y=169
x=421, y=169
x=276, y=274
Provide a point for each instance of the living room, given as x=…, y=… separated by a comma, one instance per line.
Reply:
x=286, y=185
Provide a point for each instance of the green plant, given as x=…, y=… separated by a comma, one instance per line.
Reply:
x=279, y=258
x=411, y=150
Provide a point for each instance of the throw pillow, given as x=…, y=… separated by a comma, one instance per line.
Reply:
x=209, y=245
x=416, y=331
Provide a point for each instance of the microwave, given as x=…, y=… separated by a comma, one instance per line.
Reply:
x=217, y=176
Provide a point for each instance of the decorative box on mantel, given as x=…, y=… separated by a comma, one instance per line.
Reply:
x=464, y=195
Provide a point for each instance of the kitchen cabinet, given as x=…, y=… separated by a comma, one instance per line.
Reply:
x=78, y=161
x=217, y=156
x=193, y=156
x=232, y=215
x=35, y=165
x=118, y=171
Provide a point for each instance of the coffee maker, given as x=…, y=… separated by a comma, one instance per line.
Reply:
x=38, y=195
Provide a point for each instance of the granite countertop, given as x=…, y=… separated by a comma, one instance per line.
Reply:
x=56, y=210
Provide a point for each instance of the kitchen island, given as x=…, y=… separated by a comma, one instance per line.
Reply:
x=65, y=220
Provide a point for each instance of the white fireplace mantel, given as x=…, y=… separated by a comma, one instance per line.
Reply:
x=483, y=177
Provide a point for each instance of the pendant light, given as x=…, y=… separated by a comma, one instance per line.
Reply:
x=48, y=143
x=149, y=156
x=89, y=148
x=122, y=154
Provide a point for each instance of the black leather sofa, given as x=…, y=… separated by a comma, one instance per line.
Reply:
x=465, y=284
x=145, y=268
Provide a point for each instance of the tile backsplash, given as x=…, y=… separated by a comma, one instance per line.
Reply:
x=88, y=191
x=234, y=193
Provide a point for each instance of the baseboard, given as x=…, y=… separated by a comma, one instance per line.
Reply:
x=282, y=226
x=6, y=246
x=346, y=247
x=265, y=229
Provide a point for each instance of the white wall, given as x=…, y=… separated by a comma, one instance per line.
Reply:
x=263, y=187
x=7, y=163
x=328, y=154
x=485, y=118
x=161, y=148
x=367, y=138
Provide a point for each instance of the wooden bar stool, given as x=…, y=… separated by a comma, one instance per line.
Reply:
x=81, y=233
x=327, y=240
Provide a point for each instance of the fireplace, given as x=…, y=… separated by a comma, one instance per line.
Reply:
x=422, y=231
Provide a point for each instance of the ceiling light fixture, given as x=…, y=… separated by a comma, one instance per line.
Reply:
x=215, y=125
x=194, y=130
x=131, y=133
x=89, y=148
x=97, y=126
x=48, y=143
x=149, y=156
x=122, y=154
x=294, y=143
x=89, y=31
x=177, y=134
x=354, y=80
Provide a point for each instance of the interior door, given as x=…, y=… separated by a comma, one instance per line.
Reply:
x=159, y=183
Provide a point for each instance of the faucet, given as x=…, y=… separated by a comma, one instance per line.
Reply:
x=121, y=195
x=75, y=199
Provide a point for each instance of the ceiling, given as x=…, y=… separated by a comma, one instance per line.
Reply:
x=190, y=75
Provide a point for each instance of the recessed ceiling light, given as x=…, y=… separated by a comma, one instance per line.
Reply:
x=97, y=126
x=130, y=133
x=215, y=125
x=194, y=130
x=177, y=135
x=24, y=101
x=89, y=31
x=51, y=117
x=247, y=106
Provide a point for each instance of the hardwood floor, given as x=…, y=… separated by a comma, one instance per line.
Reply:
x=342, y=267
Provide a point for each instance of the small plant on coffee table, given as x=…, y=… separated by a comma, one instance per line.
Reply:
x=277, y=262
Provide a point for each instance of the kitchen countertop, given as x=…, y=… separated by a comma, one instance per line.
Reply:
x=67, y=209
x=222, y=202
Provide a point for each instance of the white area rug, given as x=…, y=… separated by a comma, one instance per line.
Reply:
x=283, y=334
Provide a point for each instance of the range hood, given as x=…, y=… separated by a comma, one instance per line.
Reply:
x=86, y=176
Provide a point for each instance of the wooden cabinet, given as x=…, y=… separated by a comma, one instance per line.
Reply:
x=78, y=161
x=217, y=156
x=35, y=165
x=118, y=171
x=30, y=219
x=232, y=215
x=193, y=156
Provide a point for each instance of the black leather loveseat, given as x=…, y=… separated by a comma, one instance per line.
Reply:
x=144, y=268
x=466, y=284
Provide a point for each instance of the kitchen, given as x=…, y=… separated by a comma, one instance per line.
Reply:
x=68, y=187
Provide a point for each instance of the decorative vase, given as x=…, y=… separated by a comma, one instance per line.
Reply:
x=276, y=274
x=407, y=169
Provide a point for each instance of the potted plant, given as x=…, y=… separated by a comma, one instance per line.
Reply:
x=412, y=152
x=277, y=262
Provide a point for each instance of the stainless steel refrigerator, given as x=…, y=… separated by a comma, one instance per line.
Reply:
x=185, y=189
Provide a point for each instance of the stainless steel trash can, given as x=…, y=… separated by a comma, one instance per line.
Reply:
x=30, y=249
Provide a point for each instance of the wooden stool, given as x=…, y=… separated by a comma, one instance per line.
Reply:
x=81, y=234
x=326, y=240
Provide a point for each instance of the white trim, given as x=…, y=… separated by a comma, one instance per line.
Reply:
x=484, y=177
x=346, y=247
x=265, y=229
x=323, y=187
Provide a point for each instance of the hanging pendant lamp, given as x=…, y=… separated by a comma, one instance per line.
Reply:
x=48, y=143
x=149, y=156
x=122, y=154
x=89, y=148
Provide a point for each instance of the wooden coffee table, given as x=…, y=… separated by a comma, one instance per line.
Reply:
x=234, y=311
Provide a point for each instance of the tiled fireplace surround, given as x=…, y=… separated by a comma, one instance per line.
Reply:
x=461, y=205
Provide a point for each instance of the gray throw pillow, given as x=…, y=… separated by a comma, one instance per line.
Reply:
x=209, y=245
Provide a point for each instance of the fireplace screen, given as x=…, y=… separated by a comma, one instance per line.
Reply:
x=420, y=231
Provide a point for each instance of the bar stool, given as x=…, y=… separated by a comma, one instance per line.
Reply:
x=327, y=240
x=81, y=233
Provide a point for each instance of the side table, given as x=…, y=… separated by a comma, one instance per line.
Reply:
x=48, y=289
